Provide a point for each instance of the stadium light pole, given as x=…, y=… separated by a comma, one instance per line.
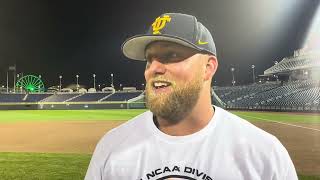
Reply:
x=14, y=80
x=17, y=78
x=7, y=82
x=276, y=76
x=94, y=81
x=111, y=79
x=233, y=81
x=253, y=75
x=77, y=76
x=60, y=77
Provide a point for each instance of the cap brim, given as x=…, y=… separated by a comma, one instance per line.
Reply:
x=134, y=48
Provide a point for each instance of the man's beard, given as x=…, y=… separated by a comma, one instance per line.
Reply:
x=176, y=104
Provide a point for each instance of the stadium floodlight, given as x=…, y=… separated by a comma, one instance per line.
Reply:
x=253, y=75
x=60, y=77
x=232, y=72
x=311, y=40
x=94, y=81
x=77, y=77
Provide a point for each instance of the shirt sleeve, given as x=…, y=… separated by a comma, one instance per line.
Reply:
x=283, y=165
x=95, y=169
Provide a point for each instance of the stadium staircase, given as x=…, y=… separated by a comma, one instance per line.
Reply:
x=106, y=97
x=73, y=97
x=25, y=97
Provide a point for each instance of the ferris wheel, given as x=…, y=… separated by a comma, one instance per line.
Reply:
x=30, y=83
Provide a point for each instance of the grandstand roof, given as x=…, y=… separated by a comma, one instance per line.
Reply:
x=300, y=60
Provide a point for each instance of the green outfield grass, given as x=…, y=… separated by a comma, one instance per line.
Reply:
x=68, y=115
x=43, y=166
x=278, y=116
x=116, y=114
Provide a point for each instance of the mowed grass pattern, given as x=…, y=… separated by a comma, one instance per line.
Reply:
x=68, y=115
x=48, y=166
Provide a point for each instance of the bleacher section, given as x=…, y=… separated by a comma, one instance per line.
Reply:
x=11, y=98
x=60, y=97
x=70, y=97
x=89, y=97
x=296, y=95
x=122, y=96
x=36, y=97
x=289, y=96
x=304, y=97
x=234, y=93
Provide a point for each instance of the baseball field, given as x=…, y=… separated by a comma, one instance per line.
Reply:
x=57, y=144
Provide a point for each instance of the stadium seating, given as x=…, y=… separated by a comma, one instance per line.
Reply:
x=11, y=97
x=89, y=97
x=35, y=97
x=60, y=97
x=292, y=95
x=234, y=93
x=122, y=96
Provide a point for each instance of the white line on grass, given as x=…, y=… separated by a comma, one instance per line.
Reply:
x=282, y=123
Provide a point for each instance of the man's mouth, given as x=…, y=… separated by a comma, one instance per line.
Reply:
x=160, y=84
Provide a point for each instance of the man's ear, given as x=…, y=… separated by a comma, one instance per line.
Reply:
x=211, y=67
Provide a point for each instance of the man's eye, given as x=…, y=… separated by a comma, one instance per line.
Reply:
x=169, y=57
x=163, y=58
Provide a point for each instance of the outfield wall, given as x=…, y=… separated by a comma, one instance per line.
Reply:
x=137, y=105
x=277, y=108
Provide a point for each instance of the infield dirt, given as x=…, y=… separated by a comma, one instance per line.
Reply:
x=302, y=144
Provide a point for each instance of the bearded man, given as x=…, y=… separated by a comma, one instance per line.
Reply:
x=183, y=136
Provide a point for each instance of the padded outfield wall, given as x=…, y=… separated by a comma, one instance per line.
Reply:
x=315, y=109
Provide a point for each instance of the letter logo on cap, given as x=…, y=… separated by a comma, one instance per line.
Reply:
x=160, y=23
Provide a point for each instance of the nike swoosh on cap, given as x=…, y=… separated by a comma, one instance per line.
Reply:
x=201, y=42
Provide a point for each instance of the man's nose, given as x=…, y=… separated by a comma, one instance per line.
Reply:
x=157, y=67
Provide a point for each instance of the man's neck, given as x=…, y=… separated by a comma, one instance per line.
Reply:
x=194, y=122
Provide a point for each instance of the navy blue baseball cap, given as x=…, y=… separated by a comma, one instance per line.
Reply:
x=179, y=28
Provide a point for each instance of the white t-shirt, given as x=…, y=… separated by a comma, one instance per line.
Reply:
x=228, y=148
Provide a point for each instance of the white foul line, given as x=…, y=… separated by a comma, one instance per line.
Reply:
x=283, y=123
